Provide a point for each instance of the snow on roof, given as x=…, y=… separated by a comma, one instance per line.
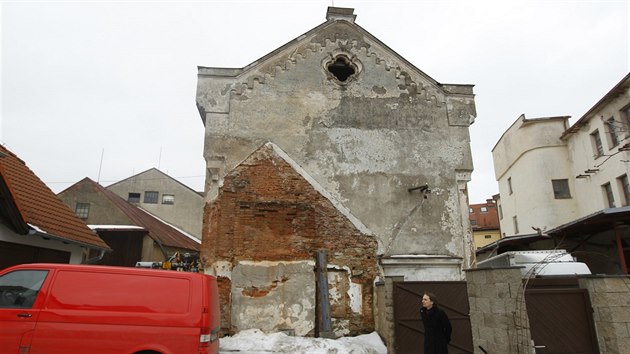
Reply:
x=115, y=227
x=190, y=236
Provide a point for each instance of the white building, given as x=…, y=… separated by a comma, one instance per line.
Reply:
x=553, y=177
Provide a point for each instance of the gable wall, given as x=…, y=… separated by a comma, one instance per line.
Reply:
x=267, y=224
x=185, y=213
x=102, y=210
x=365, y=142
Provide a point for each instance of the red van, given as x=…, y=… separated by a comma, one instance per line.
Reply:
x=63, y=308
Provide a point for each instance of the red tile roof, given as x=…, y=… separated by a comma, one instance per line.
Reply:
x=157, y=229
x=39, y=207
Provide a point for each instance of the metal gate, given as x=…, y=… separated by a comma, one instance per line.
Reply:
x=408, y=329
x=560, y=318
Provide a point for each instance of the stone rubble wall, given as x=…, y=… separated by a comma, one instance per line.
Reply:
x=498, y=315
x=611, y=312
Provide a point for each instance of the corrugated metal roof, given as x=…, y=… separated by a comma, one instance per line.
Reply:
x=40, y=208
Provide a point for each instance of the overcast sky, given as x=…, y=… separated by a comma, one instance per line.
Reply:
x=115, y=81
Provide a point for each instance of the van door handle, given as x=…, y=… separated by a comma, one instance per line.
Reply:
x=24, y=315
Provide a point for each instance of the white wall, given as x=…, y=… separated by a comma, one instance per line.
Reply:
x=531, y=155
x=76, y=252
x=532, y=152
x=590, y=195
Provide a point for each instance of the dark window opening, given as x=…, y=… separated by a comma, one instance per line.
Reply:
x=625, y=188
x=561, y=188
x=133, y=197
x=342, y=68
x=82, y=210
x=609, y=197
x=151, y=197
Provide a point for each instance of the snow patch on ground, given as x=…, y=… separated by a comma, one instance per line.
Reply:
x=254, y=341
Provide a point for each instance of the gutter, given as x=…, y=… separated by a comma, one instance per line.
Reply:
x=35, y=231
x=93, y=260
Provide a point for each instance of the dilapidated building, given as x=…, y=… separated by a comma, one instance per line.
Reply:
x=332, y=142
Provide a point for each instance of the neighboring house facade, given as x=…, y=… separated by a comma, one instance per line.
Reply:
x=385, y=144
x=571, y=183
x=35, y=226
x=165, y=197
x=484, y=219
x=133, y=234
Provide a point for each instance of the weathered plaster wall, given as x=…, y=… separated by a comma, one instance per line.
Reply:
x=367, y=141
x=279, y=295
x=264, y=229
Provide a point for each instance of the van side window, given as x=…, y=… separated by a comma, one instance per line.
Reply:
x=19, y=289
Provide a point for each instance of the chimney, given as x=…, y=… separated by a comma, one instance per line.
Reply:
x=340, y=13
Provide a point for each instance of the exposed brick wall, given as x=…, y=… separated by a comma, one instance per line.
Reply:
x=266, y=211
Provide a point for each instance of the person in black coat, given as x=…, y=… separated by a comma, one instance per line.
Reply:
x=437, y=327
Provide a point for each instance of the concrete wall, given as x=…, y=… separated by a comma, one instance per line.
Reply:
x=185, y=213
x=610, y=299
x=498, y=314
x=389, y=128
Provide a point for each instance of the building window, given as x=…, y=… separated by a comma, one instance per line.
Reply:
x=500, y=212
x=515, y=221
x=82, y=210
x=151, y=197
x=342, y=68
x=168, y=199
x=613, y=135
x=133, y=197
x=470, y=210
x=510, y=185
x=488, y=236
x=626, y=112
x=473, y=222
x=608, y=194
x=561, y=188
x=625, y=189
x=598, y=150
